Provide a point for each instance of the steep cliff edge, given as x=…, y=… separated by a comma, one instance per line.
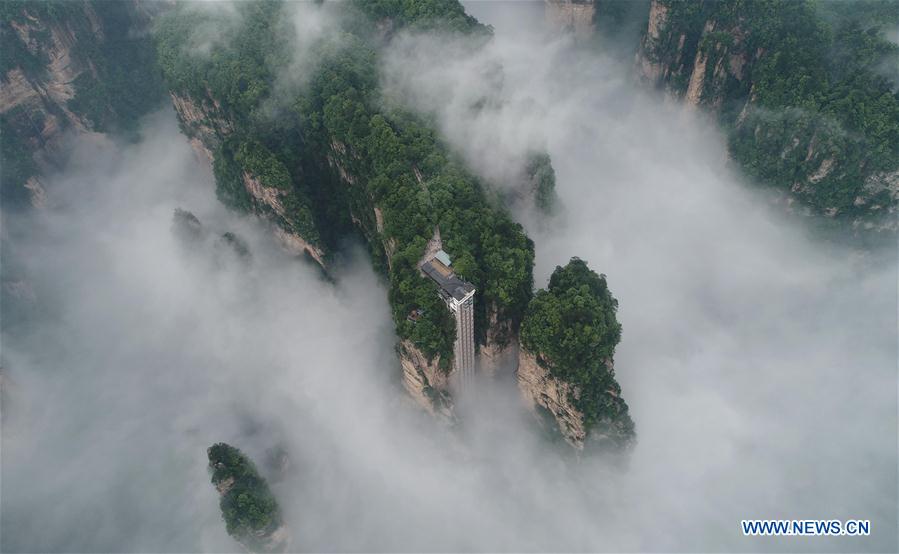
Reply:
x=541, y=390
x=802, y=93
x=248, y=176
x=426, y=382
x=79, y=66
x=568, y=339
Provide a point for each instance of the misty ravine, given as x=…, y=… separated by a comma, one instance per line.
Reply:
x=211, y=286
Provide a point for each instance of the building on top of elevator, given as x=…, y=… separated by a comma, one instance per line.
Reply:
x=459, y=297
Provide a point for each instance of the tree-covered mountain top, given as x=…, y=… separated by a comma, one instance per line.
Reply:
x=572, y=330
x=572, y=322
x=248, y=506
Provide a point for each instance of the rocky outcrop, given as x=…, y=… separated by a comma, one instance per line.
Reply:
x=553, y=398
x=203, y=122
x=651, y=67
x=195, y=238
x=880, y=194
x=500, y=349
x=425, y=381
x=697, y=79
x=697, y=66
x=541, y=390
x=574, y=16
x=297, y=246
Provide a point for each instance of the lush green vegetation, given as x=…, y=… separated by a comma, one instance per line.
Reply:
x=572, y=329
x=352, y=155
x=821, y=85
x=248, y=506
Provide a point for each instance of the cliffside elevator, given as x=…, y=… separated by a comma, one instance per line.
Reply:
x=459, y=298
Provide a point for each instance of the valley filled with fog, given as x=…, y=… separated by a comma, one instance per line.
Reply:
x=757, y=357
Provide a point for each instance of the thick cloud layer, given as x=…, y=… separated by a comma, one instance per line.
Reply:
x=758, y=361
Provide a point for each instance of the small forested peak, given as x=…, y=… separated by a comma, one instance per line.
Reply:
x=235, y=244
x=248, y=507
x=446, y=15
x=542, y=178
x=186, y=226
x=572, y=330
x=573, y=321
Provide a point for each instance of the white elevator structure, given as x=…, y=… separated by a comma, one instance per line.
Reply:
x=459, y=298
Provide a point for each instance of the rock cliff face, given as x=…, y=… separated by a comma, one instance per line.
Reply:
x=426, y=383
x=60, y=73
x=204, y=126
x=541, y=390
x=697, y=65
x=576, y=16
x=648, y=59
x=500, y=349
